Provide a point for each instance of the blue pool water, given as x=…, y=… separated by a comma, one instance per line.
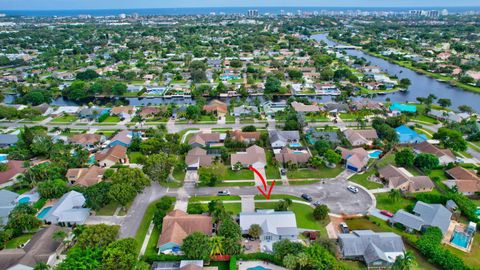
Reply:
x=91, y=160
x=3, y=157
x=258, y=268
x=295, y=145
x=44, y=212
x=24, y=200
x=375, y=154
x=460, y=239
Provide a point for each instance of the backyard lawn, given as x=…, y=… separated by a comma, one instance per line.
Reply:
x=64, y=119
x=307, y=173
x=243, y=174
x=135, y=156
x=362, y=179
x=385, y=203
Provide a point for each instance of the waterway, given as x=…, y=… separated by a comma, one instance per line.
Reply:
x=421, y=86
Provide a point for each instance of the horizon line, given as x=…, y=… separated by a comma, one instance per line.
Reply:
x=216, y=7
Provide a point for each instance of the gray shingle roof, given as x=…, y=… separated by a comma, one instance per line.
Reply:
x=435, y=215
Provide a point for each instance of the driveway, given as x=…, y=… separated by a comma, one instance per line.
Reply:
x=191, y=176
x=258, y=181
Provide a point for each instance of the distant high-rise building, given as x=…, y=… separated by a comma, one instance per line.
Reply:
x=444, y=12
x=122, y=16
x=252, y=13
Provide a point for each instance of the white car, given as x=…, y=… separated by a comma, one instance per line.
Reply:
x=223, y=193
x=352, y=189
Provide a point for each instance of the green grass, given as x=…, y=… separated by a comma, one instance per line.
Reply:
x=64, y=119
x=211, y=198
x=425, y=119
x=303, y=215
x=179, y=174
x=362, y=179
x=17, y=241
x=385, y=203
x=135, y=156
x=323, y=172
x=243, y=174
x=108, y=210
x=111, y=119
x=303, y=182
x=152, y=242
x=144, y=224
x=230, y=119
x=386, y=160
x=272, y=172
x=233, y=208
x=221, y=265
x=279, y=197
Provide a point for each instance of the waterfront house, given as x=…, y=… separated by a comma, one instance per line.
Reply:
x=217, y=107
x=299, y=107
x=245, y=110
x=282, y=138
x=407, y=135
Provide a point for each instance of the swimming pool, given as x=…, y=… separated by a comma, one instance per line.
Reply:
x=24, y=200
x=258, y=268
x=295, y=145
x=91, y=160
x=460, y=239
x=44, y=212
x=374, y=153
x=3, y=158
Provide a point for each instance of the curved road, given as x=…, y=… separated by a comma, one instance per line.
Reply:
x=332, y=192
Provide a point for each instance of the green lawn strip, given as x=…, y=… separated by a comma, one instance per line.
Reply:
x=272, y=172
x=108, y=210
x=111, y=119
x=179, y=174
x=221, y=129
x=323, y=172
x=211, y=198
x=152, y=242
x=243, y=174
x=385, y=203
x=134, y=156
x=362, y=179
x=475, y=146
x=302, y=182
x=378, y=225
x=303, y=215
x=279, y=197
x=17, y=241
x=144, y=224
x=64, y=119
x=425, y=119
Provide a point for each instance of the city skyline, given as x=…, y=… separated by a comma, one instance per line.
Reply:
x=129, y=4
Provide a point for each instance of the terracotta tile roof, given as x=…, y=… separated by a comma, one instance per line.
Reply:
x=14, y=167
x=460, y=173
x=85, y=138
x=147, y=111
x=216, y=105
x=85, y=176
x=300, y=107
x=115, y=154
x=177, y=225
x=203, y=138
x=122, y=109
x=241, y=136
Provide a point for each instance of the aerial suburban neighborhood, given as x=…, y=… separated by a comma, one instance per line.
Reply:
x=297, y=139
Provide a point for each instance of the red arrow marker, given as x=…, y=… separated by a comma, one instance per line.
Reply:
x=264, y=192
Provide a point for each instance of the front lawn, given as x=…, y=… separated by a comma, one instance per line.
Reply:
x=17, y=241
x=425, y=119
x=108, y=210
x=308, y=173
x=212, y=198
x=385, y=203
x=243, y=174
x=64, y=119
x=362, y=179
x=111, y=119
x=272, y=172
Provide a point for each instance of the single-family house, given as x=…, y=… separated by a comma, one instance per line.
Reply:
x=14, y=169
x=407, y=135
x=92, y=113
x=216, y=106
x=450, y=116
x=356, y=159
x=282, y=138
x=366, y=104
x=181, y=265
x=276, y=226
x=202, y=139
x=148, y=111
x=124, y=112
x=424, y=216
x=253, y=156
x=41, y=248
x=244, y=136
x=466, y=181
x=245, y=110
x=335, y=108
x=358, y=137
x=314, y=135
x=378, y=250
x=7, y=203
x=198, y=157
x=271, y=108
x=68, y=210
x=123, y=138
x=445, y=156
x=287, y=155
x=177, y=225
x=326, y=89
x=7, y=140
x=400, y=178
x=299, y=107
x=85, y=176
x=88, y=141
x=111, y=156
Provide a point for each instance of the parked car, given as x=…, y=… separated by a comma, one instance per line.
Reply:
x=283, y=171
x=223, y=193
x=344, y=228
x=386, y=213
x=316, y=203
x=307, y=197
x=352, y=189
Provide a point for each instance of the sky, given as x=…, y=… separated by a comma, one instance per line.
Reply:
x=125, y=4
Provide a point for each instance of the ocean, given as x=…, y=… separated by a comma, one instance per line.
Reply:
x=216, y=10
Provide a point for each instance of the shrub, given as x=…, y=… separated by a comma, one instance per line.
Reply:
x=233, y=263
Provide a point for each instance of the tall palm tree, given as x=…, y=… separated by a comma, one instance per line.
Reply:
x=405, y=262
x=217, y=245
x=394, y=195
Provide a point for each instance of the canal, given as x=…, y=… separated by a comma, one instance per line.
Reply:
x=421, y=86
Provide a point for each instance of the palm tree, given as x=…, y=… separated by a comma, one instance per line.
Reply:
x=217, y=245
x=405, y=262
x=302, y=260
x=394, y=195
x=290, y=261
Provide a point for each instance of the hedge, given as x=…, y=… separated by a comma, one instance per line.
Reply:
x=233, y=263
x=163, y=257
x=430, y=246
x=260, y=257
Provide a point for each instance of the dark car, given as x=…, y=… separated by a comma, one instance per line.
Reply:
x=344, y=227
x=307, y=197
x=283, y=171
x=316, y=203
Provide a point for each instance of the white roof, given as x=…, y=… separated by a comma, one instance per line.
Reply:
x=66, y=209
x=279, y=223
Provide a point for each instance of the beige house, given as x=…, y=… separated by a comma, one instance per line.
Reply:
x=358, y=137
x=466, y=181
x=400, y=178
x=85, y=176
x=253, y=156
x=112, y=156
x=198, y=157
